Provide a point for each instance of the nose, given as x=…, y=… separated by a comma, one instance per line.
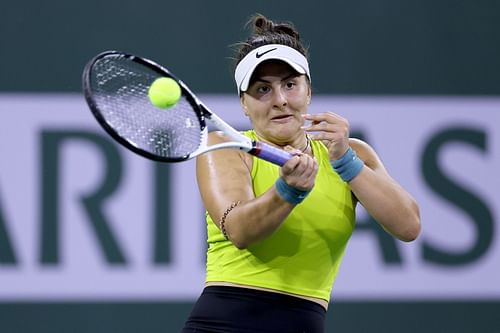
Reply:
x=279, y=97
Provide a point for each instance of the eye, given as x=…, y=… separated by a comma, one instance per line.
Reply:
x=290, y=84
x=263, y=89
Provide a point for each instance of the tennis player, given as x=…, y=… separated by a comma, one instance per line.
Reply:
x=276, y=236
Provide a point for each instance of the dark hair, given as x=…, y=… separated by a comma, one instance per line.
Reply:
x=265, y=31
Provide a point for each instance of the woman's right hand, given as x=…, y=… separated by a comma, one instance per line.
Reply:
x=300, y=171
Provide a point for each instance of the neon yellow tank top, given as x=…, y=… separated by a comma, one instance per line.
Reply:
x=303, y=256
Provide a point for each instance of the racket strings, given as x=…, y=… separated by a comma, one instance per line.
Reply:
x=120, y=87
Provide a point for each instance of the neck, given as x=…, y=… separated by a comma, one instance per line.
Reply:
x=303, y=144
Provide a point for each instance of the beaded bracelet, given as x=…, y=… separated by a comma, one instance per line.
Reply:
x=290, y=193
x=348, y=166
x=222, y=220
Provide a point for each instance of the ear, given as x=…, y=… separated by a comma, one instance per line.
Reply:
x=309, y=95
x=244, y=104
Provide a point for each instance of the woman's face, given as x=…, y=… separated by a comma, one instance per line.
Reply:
x=275, y=102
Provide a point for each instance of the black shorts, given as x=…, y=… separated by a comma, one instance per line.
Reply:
x=222, y=309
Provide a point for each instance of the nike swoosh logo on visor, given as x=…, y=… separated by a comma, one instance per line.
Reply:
x=257, y=55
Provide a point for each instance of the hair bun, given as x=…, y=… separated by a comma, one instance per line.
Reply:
x=263, y=25
x=265, y=32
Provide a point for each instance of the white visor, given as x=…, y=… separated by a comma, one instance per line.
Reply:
x=249, y=63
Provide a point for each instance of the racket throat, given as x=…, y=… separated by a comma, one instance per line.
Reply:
x=256, y=149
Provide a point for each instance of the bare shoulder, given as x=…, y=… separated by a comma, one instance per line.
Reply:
x=223, y=176
x=229, y=154
x=366, y=153
x=362, y=148
x=217, y=137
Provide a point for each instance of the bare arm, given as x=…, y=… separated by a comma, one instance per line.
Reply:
x=383, y=198
x=224, y=178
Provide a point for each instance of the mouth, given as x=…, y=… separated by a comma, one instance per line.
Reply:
x=282, y=118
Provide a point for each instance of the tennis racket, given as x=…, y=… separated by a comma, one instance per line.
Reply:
x=116, y=86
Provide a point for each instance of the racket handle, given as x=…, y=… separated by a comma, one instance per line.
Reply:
x=270, y=153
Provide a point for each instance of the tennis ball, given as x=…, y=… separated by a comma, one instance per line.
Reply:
x=164, y=92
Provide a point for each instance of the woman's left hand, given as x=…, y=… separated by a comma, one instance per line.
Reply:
x=332, y=130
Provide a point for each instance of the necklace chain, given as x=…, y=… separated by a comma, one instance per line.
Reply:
x=308, y=142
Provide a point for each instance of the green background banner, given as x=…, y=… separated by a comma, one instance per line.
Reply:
x=356, y=47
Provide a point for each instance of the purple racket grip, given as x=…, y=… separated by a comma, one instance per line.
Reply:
x=270, y=153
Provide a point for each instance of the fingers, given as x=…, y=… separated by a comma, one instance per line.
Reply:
x=300, y=171
x=331, y=129
x=327, y=125
x=291, y=164
x=292, y=150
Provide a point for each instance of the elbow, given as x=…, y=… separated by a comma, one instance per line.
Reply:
x=240, y=244
x=414, y=228
x=243, y=239
x=239, y=240
x=411, y=233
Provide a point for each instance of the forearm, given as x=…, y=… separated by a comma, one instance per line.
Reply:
x=388, y=203
x=256, y=219
x=224, y=178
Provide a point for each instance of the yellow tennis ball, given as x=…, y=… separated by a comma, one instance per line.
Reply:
x=164, y=92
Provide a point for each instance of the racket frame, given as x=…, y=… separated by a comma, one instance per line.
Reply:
x=203, y=113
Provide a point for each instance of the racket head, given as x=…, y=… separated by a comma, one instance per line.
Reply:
x=116, y=85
